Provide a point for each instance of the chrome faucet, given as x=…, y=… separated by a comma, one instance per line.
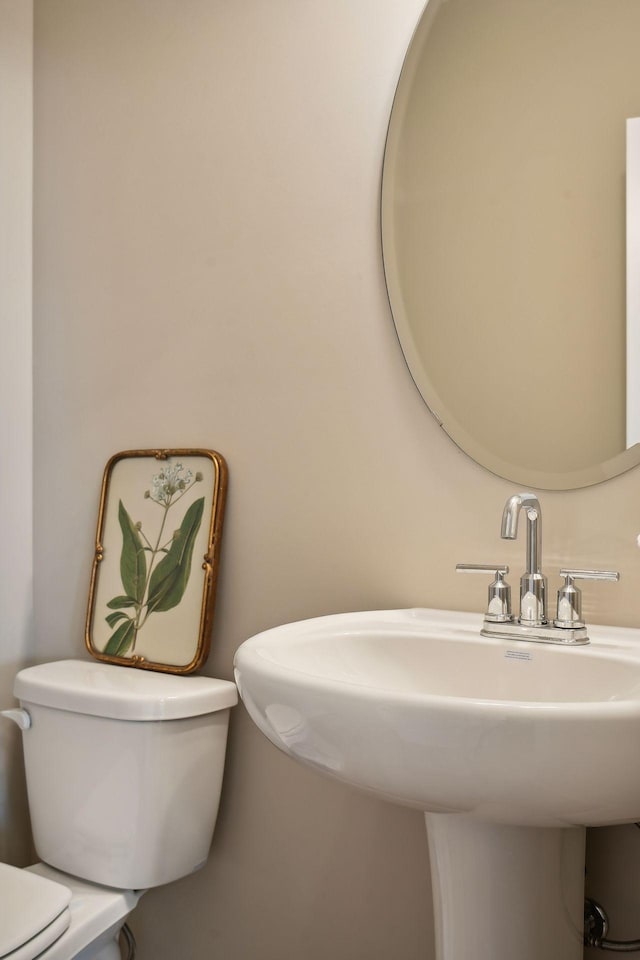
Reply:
x=533, y=583
x=568, y=626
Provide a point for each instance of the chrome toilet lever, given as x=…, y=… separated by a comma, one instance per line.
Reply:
x=19, y=716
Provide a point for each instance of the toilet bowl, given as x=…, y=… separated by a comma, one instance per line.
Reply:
x=124, y=771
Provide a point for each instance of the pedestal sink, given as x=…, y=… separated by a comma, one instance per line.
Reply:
x=510, y=748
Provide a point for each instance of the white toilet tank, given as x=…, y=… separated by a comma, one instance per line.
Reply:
x=124, y=769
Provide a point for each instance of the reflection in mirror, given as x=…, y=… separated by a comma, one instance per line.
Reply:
x=505, y=233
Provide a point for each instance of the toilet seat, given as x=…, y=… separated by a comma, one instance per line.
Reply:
x=95, y=911
x=46, y=938
x=48, y=912
x=35, y=913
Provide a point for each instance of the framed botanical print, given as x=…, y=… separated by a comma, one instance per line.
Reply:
x=155, y=567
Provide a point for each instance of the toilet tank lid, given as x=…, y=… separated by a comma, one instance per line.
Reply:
x=121, y=693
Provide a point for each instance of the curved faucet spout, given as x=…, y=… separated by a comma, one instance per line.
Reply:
x=530, y=503
x=533, y=587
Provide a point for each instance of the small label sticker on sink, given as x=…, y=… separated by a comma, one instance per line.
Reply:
x=518, y=655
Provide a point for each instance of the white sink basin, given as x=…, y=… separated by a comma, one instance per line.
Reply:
x=417, y=707
x=510, y=747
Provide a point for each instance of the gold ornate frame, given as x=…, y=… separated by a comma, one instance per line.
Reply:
x=158, y=582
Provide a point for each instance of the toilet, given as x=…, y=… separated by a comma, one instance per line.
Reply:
x=124, y=771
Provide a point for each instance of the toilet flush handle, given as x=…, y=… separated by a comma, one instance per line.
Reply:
x=19, y=716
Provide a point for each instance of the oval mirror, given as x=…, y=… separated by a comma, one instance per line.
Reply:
x=511, y=232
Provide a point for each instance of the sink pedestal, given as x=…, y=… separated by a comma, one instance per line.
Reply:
x=506, y=892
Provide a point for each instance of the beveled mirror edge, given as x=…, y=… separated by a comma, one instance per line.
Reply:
x=539, y=479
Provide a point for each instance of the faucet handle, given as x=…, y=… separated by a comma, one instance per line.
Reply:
x=569, y=612
x=591, y=574
x=499, y=598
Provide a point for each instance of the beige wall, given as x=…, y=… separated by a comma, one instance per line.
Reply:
x=208, y=272
x=16, y=601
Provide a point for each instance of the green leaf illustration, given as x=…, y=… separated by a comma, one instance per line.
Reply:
x=120, y=641
x=113, y=618
x=118, y=602
x=169, y=579
x=133, y=563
